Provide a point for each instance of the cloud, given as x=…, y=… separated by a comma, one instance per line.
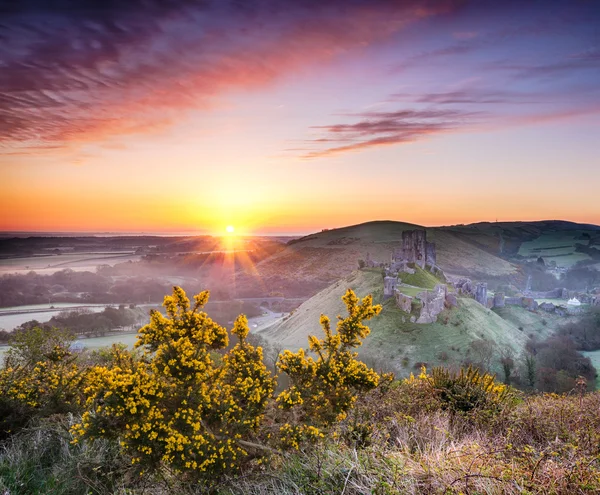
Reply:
x=468, y=96
x=74, y=72
x=375, y=129
x=586, y=60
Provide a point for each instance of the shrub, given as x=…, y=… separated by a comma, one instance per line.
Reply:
x=176, y=405
x=40, y=377
x=322, y=390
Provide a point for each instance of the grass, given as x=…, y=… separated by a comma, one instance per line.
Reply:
x=540, y=324
x=539, y=447
x=42, y=460
x=421, y=278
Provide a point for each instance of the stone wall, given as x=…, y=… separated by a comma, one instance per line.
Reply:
x=430, y=253
x=413, y=247
x=451, y=300
x=512, y=301
x=547, y=307
x=558, y=293
x=481, y=294
x=464, y=286
x=433, y=305
x=404, y=302
x=499, y=300
x=389, y=286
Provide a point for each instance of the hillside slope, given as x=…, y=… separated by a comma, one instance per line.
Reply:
x=313, y=262
x=481, y=251
x=393, y=338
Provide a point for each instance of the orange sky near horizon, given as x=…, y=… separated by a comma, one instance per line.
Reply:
x=326, y=115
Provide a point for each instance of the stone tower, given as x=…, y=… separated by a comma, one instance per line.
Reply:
x=481, y=294
x=413, y=247
x=389, y=287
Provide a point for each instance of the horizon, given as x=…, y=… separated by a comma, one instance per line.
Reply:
x=199, y=233
x=198, y=116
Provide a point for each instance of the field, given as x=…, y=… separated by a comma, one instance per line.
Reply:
x=11, y=318
x=555, y=246
x=54, y=263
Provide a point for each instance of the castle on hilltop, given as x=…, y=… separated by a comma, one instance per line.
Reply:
x=415, y=249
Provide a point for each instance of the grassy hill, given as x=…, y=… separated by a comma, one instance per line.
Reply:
x=395, y=340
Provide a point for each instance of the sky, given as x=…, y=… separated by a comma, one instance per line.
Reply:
x=293, y=116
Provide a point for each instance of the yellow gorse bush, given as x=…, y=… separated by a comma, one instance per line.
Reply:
x=176, y=405
x=323, y=389
x=41, y=377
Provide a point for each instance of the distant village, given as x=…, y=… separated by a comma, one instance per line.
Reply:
x=416, y=251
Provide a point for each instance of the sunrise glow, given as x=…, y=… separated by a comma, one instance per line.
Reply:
x=333, y=114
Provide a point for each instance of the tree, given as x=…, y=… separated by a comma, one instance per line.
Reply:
x=530, y=369
x=508, y=365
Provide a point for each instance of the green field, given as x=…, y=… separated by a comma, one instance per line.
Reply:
x=555, y=246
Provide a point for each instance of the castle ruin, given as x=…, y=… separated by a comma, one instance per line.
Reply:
x=415, y=249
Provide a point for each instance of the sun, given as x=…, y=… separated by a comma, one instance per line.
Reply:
x=230, y=229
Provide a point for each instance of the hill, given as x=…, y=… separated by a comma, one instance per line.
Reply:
x=313, y=262
x=402, y=344
x=484, y=251
x=554, y=240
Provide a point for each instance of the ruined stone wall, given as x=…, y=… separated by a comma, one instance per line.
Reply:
x=413, y=247
x=481, y=294
x=430, y=253
x=464, y=286
x=512, y=301
x=547, y=307
x=558, y=293
x=404, y=302
x=433, y=305
x=389, y=286
x=499, y=300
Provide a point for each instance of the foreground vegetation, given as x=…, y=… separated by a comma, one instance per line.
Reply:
x=190, y=413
